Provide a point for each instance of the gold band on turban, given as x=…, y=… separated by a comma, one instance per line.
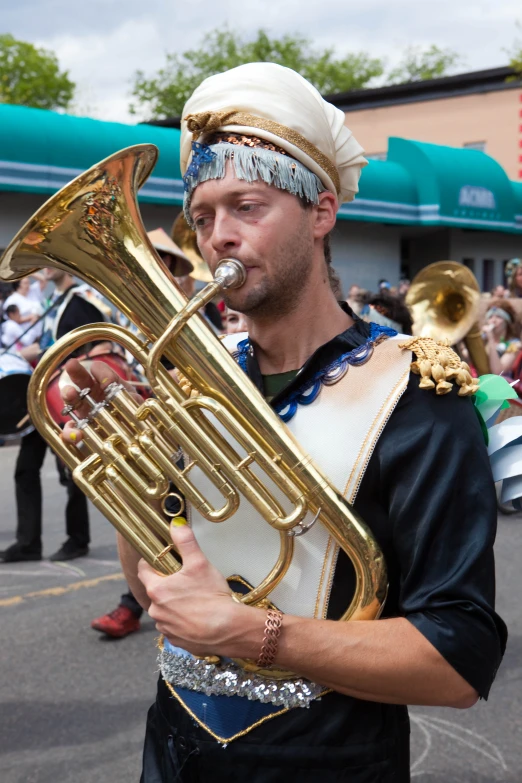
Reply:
x=207, y=122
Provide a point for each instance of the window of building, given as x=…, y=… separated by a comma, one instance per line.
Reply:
x=488, y=274
x=470, y=263
x=504, y=276
x=475, y=145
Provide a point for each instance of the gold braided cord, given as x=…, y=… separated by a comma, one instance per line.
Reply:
x=206, y=122
x=438, y=364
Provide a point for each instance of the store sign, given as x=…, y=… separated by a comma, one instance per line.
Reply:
x=476, y=197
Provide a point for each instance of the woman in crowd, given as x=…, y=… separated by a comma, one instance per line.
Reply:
x=513, y=273
x=502, y=334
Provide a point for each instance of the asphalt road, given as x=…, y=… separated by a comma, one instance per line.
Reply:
x=73, y=705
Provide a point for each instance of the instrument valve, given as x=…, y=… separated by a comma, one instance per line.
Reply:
x=80, y=423
x=112, y=390
x=85, y=394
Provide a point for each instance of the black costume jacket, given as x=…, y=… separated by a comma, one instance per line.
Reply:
x=429, y=499
x=76, y=312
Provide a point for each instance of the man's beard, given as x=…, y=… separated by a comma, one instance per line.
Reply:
x=278, y=294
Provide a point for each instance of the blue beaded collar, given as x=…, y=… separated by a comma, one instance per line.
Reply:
x=327, y=376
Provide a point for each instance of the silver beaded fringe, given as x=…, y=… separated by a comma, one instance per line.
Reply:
x=256, y=163
x=229, y=679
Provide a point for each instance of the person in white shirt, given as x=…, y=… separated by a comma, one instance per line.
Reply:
x=13, y=329
x=28, y=302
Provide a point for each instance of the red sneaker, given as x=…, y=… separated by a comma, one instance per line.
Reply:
x=118, y=623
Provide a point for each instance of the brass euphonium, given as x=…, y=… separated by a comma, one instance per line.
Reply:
x=444, y=300
x=92, y=229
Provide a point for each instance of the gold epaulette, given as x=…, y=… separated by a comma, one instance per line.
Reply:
x=438, y=364
x=185, y=384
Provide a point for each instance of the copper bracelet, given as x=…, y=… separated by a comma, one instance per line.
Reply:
x=274, y=621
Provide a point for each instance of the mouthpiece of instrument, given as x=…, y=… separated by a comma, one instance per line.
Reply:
x=230, y=273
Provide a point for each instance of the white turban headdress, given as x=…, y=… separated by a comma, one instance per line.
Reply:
x=279, y=106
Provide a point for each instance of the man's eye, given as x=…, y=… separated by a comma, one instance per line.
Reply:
x=200, y=222
x=247, y=207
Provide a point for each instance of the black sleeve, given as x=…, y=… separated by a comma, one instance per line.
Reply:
x=436, y=482
x=78, y=312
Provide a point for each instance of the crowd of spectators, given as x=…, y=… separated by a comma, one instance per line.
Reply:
x=500, y=317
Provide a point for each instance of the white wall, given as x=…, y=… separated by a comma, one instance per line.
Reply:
x=480, y=245
x=363, y=253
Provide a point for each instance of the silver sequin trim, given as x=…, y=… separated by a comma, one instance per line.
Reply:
x=229, y=679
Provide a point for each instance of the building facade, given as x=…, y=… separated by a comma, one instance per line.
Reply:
x=481, y=110
x=424, y=203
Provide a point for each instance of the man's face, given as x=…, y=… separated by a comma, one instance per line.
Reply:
x=266, y=229
x=24, y=286
x=56, y=275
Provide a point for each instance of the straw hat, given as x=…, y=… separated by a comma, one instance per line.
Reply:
x=160, y=240
x=186, y=237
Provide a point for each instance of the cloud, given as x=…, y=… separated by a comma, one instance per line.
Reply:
x=106, y=41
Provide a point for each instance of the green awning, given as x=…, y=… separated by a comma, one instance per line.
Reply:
x=387, y=193
x=432, y=185
x=419, y=184
x=41, y=151
x=517, y=190
x=457, y=187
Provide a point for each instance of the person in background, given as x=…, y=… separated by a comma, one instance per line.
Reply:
x=502, y=333
x=13, y=329
x=513, y=272
x=183, y=270
x=353, y=299
x=172, y=256
x=403, y=288
x=384, y=285
x=29, y=309
x=499, y=292
x=233, y=321
x=27, y=297
x=389, y=310
x=357, y=301
x=71, y=309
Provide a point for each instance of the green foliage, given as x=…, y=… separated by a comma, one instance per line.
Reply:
x=516, y=63
x=165, y=94
x=515, y=57
x=31, y=77
x=419, y=64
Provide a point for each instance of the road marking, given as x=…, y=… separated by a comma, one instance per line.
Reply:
x=70, y=568
x=470, y=739
x=15, y=600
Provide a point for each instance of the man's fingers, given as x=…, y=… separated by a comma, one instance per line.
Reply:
x=150, y=579
x=104, y=375
x=99, y=377
x=78, y=374
x=189, y=550
x=70, y=434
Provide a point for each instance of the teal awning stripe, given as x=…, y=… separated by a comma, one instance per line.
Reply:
x=49, y=179
x=419, y=184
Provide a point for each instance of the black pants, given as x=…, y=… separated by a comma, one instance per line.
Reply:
x=315, y=745
x=130, y=602
x=29, y=498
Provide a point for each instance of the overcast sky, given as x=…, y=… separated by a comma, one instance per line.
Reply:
x=103, y=42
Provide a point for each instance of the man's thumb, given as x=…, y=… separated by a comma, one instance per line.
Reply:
x=185, y=542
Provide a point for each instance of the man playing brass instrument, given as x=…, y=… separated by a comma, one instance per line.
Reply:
x=267, y=162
